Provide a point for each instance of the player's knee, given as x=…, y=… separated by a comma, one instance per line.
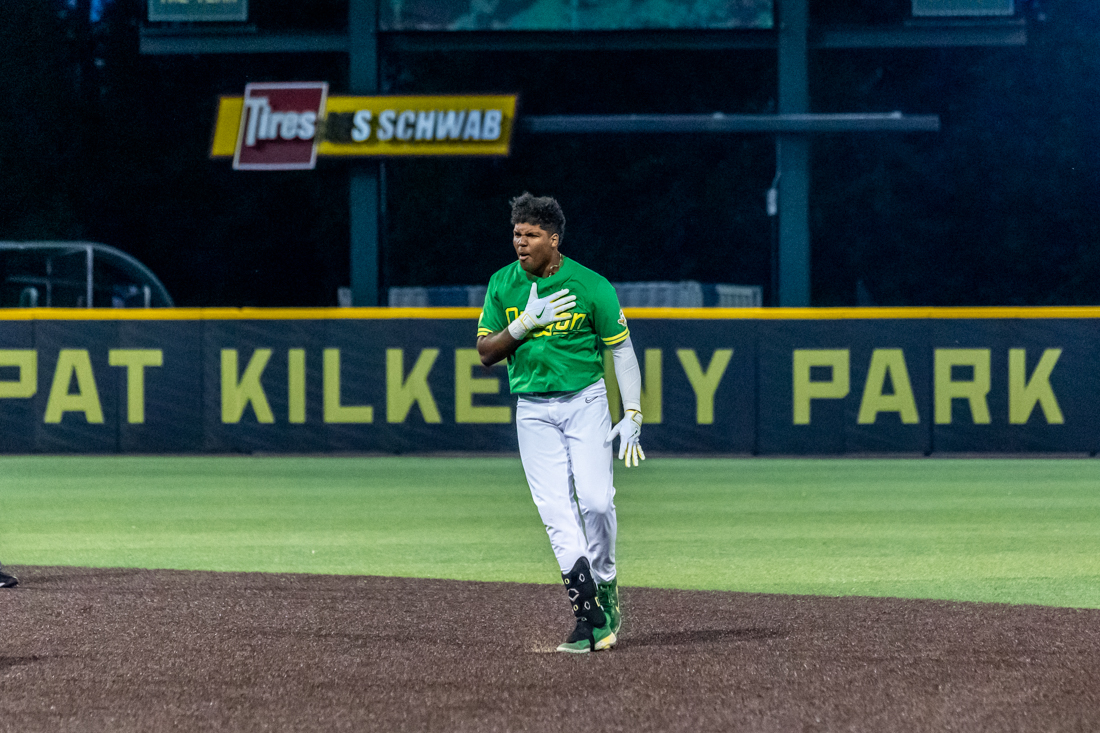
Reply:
x=599, y=504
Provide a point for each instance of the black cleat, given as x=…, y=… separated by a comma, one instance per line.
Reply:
x=8, y=581
x=586, y=638
x=593, y=631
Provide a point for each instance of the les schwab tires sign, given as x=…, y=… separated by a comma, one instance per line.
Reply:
x=287, y=125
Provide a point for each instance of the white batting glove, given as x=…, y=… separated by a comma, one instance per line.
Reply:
x=629, y=431
x=541, y=312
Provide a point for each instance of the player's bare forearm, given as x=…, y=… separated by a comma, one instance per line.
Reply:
x=496, y=347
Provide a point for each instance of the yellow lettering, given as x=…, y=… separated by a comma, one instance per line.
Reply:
x=973, y=391
x=334, y=411
x=402, y=393
x=296, y=385
x=887, y=362
x=72, y=362
x=237, y=395
x=1022, y=395
x=805, y=390
x=652, y=387
x=704, y=383
x=466, y=386
x=135, y=361
x=652, y=397
x=26, y=360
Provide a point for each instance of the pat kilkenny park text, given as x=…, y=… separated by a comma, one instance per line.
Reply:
x=313, y=383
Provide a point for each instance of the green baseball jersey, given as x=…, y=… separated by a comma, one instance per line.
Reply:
x=568, y=355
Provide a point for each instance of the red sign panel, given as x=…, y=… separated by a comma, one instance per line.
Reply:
x=279, y=125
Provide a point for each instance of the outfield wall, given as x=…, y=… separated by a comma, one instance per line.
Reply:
x=768, y=381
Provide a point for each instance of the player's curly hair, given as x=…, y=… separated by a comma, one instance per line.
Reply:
x=542, y=211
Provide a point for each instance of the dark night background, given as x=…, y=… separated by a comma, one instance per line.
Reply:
x=998, y=208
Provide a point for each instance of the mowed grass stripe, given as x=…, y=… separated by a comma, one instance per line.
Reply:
x=1006, y=530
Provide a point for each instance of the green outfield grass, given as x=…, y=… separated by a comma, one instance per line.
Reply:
x=1014, y=530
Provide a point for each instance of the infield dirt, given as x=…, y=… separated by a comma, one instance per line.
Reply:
x=129, y=650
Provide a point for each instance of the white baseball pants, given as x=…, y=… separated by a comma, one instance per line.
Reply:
x=569, y=464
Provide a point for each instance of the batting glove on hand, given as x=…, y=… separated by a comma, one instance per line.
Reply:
x=541, y=312
x=629, y=431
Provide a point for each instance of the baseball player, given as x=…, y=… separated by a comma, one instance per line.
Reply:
x=6, y=580
x=551, y=318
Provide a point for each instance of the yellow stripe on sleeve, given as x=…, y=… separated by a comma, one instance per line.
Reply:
x=618, y=339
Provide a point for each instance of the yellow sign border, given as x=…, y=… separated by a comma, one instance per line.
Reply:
x=734, y=314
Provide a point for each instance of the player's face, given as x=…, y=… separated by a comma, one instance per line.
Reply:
x=535, y=248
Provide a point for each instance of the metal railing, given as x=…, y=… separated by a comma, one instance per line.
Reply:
x=684, y=294
x=58, y=274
